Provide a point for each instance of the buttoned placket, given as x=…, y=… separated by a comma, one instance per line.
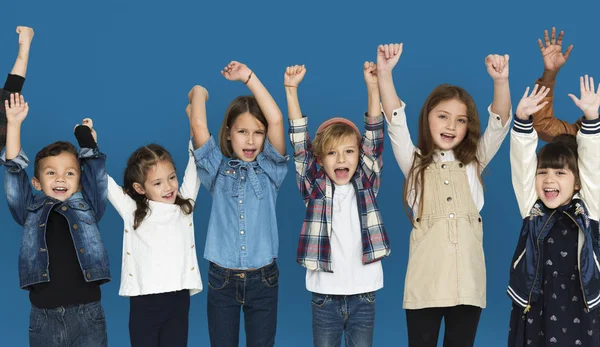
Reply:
x=448, y=192
x=243, y=177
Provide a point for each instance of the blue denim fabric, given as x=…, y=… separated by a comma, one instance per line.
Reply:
x=75, y=326
x=351, y=315
x=256, y=291
x=242, y=230
x=82, y=210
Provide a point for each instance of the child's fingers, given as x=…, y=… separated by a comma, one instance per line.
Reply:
x=386, y=50
x=592, y=85
x=526, y=92
x=22, y=100
x=581, y=85
x=568, y=52
x=560, y=38
x=12, y=100
x=546, y=40
x=538, y=107
x=587, y=83
x=546, y=92
x=574, y=98
x=553, y=38
x=535, y=88
x=541, y=45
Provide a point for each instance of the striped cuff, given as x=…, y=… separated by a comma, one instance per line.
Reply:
x=523, y=126
x=590, y=126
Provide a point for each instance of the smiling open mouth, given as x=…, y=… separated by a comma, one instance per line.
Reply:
x=551, y=193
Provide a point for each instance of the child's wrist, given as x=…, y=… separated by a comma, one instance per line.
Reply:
x=249, y=77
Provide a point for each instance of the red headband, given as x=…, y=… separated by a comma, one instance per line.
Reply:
x=336, y=120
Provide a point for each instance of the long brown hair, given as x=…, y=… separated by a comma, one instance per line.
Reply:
x=239, y=105
x=138, y=165
x=465, y=151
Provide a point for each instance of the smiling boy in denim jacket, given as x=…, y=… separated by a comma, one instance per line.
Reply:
x=62, y=260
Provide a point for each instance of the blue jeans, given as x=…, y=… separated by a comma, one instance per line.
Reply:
x=82, y=325
x=256, y=292
x=351, y=315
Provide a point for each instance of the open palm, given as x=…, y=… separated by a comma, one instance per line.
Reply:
x=551, y=49
x=16, y=109
x=589, y=102
x=530, y=104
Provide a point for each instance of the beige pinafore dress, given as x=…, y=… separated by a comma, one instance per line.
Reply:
x=446, y=266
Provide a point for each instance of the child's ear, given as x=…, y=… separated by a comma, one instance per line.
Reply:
x=139, y=188
x=36, y=183
x=228, y=132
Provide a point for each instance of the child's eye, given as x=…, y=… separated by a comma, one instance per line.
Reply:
x=70, y=174
x=349, y=151
x=462, y=120
x=242, y=131
x=541, y=172
x=157, y=184
x=260, y=133
x=50, y=173
x=172, y=177
x=331, y=153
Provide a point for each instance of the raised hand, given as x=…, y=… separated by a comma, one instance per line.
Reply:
x=388, y=56
x=497, y=66
x=25, y=35
x=88, y=122
x=16, y=109
x=236, y=71
x=590, y=100
x=551, y=50
x=370, y=72
x=531, y=104
x=293, y=75
x=198, y=92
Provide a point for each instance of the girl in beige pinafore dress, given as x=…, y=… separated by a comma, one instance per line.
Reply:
x=446, y=267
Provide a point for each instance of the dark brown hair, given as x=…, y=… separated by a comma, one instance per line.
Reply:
x=465, y=151
x=138, y=165
x=239, y=105
x=560, y=153
x=52, y=150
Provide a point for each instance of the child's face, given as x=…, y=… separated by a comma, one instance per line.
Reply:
x=448, y=124
x=161, y=183
x=340, y=162
x=555, y=187
x=59, y=176
x=247, y=136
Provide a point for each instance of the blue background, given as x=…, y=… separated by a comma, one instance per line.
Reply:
x=129, y=66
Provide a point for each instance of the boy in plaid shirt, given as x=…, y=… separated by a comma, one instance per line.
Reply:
x=343, y=237
x=16, y=78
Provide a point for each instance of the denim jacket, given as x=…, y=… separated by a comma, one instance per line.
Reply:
x=82, y=210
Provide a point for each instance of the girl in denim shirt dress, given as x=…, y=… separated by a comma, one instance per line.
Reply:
x=243, y=174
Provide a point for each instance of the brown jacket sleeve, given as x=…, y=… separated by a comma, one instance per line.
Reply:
x=544, y=122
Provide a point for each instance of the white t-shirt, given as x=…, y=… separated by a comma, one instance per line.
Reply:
x=350, y=276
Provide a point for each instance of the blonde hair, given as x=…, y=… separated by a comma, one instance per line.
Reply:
x=332, y=136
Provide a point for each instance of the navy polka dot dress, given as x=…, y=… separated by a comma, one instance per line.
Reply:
x=559, y=317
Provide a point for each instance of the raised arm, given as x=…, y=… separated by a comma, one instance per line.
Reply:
x=523, y=145
x=305, y=161
x=236, y=71
x=387, y=58
x=588, y=141
x=196, y=111
x=372, y=143
x=25, y=37
x=497, y=67
x=16, y=181
x=93, y=162
x=544, y=121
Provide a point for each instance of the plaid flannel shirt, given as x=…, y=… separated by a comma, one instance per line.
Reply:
x=317, y=191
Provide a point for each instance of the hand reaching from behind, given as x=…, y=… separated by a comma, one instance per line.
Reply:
x=388, y=56
x=590, y=100
x=16, y=109
x=293, y=75
x=552, y=53
x=531, y=104
x=236, y=71
x=497, y=66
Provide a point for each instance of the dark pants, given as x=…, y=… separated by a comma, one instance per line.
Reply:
x=350, y=315
x=77, y=326
x=255, y=292
x=159, y=319
x=460, y=321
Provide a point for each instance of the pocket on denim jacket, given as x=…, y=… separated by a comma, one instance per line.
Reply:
x=319, y=300
x=216, y=282
x=227, y=181
x=83, y=211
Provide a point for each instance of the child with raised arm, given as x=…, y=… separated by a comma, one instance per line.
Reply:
x=62, y=261
x=554, y=274
x=160, y=268
x=444, y=195
x=544, y=123
x=343, y=238
x=16, y=78
x=243, y=172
